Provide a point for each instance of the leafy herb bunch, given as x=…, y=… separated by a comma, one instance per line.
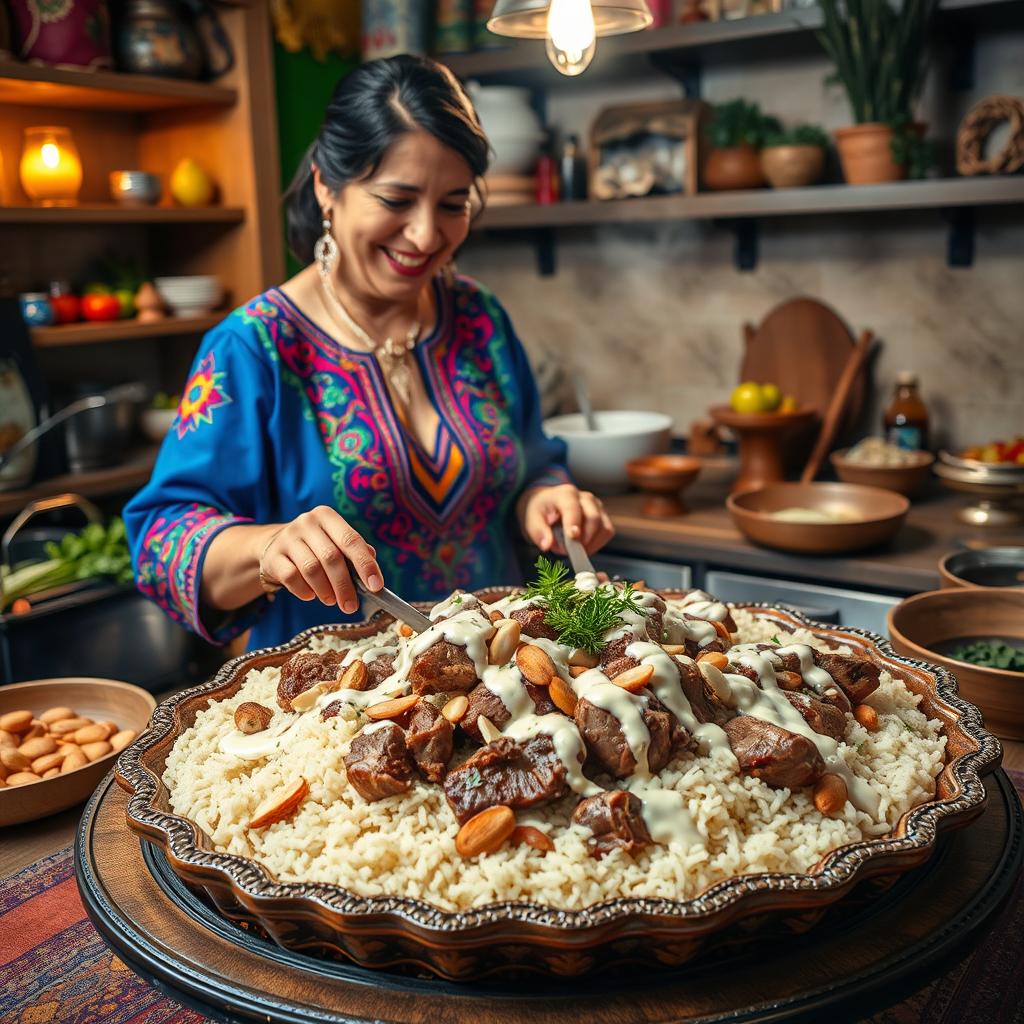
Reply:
x=581, y=617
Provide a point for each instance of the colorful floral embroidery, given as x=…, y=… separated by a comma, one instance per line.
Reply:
x=203, y=393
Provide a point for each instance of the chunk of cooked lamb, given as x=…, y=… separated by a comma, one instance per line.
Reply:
x=304, y=670
x=378, y=763
x=616, y=820
x=483, y=701
x=531, y=623
x=857, y=677
x=429, y=737
x=443, y=667
x=821, y=717
x=777, y=756
x=516, y=773
x=606, y=742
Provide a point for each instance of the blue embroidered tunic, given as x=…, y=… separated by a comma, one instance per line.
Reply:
x=277, y=417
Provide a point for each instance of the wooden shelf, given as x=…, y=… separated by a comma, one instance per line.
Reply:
x=110, y=213
x=43, y=85
x=87, y=333
x=129, y=475
x=952, y=193
x=782, y=34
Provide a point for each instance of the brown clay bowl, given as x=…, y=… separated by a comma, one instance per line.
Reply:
x=983, y=567
x=663, y=477
x=98, y=699
x=906, y=480
x=923, y=625
x=523, y=936
x=879, y=514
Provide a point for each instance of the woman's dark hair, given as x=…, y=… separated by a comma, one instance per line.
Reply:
x=370, y=108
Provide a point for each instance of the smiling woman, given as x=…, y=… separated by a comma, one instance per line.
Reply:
x=375, y=414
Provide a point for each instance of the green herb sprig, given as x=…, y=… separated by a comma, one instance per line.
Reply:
x=580, y=617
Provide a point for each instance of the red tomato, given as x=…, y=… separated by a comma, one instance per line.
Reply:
x=101, y=307
x=66, y=308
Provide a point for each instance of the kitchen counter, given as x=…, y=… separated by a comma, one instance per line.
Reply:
x=707, y=536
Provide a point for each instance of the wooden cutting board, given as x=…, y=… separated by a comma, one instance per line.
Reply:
x=803, y=346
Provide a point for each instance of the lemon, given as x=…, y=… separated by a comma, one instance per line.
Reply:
x=190, y=184
x=746, y=397
x=788, y=404
x=771, y=396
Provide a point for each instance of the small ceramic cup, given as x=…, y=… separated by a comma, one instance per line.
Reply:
x=36, y=309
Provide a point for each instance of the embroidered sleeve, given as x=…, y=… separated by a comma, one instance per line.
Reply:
x=213, y=471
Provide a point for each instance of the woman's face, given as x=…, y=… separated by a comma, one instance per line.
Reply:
x=398, y=227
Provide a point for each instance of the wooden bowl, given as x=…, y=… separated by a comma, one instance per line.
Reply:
x=906, y=480
x=517, y=936
x=922, y=625
x=663, y=477
x=879, y=514
x=99, y=699
x=983, y=567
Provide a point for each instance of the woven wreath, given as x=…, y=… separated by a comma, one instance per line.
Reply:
x=975, y=130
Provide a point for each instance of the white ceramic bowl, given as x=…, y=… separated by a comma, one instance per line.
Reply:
x=156, y=422
x=597, y=459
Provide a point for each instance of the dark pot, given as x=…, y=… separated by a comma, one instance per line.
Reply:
x=97, y=437
x=153, y=39
x=735, y=167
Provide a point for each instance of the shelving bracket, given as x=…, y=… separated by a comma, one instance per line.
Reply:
x=686, y=73
x=960, y=244
x=746, y=234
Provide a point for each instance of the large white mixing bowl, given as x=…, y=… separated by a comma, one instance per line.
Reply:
x=597, y=459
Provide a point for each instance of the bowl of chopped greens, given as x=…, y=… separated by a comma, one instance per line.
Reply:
x=976, y=633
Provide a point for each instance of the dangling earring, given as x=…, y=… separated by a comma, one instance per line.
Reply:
x=325, y=251
x=448, y=272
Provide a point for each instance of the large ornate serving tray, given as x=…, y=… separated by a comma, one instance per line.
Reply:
x=396, y=931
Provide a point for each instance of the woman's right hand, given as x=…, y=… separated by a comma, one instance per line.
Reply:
x=310, y=558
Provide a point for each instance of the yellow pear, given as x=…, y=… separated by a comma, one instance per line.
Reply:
x=190, y=184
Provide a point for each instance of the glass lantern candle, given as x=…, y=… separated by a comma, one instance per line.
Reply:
x=51, y=170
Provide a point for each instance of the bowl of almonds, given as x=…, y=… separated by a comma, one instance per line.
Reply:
x=59, y=737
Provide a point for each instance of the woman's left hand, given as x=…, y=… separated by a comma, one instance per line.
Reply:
x=581, y=514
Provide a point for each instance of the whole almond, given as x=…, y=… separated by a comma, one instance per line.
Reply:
x=488, y=729
x=111, y=725
x=634, y=679
x=562, y=696
x=22, y=778
x=789, y=680
x=716, y=658
x=94, y=751
x=51, y=773
x=7, y=739
x=535, y=664
x=35, y=729
x=37, y=747
x=356, y=676
x=14, y=760
x=722, y=630
x=583, y=659
x=867, y=716
x=305, y=700
x=16, y=721
x=73, y=761
x=281, y=804
x=391, y=708
x=121, y=739
x=577, y=670
x=674, y=648
x=456, y=708
x=250, y=718
x=531, y=837
x=830, y=794
x=90, y=734
x=486, y=831
x=41, y=765
x=52, y=715
x=68, y=726
x=504, y=642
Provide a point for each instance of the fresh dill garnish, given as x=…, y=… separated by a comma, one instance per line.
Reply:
x=775, y=639
x=580, y=617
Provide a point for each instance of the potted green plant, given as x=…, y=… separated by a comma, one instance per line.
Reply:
x=880, y=59
x=794, y=157
x=736, y=131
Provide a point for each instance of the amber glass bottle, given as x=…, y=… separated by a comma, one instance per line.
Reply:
x=906, y=416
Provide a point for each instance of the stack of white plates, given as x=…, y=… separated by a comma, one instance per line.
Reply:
x=192, y=295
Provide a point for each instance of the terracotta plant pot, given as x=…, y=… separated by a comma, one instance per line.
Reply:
x=792, y=166
x=732, y=168
x=866, y=154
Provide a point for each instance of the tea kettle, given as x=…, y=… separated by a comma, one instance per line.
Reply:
x=156, y=37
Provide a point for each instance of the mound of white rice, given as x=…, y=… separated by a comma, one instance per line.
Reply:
x=405, y=845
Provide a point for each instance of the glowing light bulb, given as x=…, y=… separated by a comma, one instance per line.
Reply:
x=571, y=37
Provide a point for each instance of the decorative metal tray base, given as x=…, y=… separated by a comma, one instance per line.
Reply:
x=868, y=951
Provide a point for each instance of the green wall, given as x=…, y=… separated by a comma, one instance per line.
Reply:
x=304, y=86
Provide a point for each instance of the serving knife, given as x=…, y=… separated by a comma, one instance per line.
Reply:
x=391, y=602
x=574, y=550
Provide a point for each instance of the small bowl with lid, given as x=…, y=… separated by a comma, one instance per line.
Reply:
x=874, y=463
